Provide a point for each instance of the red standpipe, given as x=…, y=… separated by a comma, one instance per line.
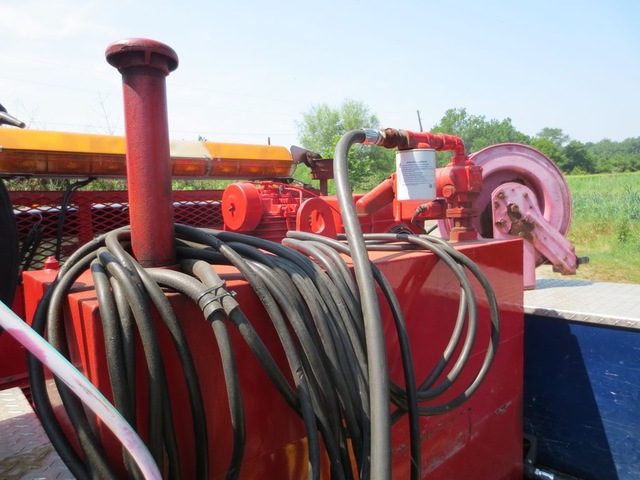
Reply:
x=144, y=65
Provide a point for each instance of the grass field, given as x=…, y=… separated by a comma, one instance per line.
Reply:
x=606, y=226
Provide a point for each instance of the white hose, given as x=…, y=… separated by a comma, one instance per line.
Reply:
x=83, y=388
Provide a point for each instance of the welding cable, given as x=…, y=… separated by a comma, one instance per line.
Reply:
x=374, y=332
x=91, y=397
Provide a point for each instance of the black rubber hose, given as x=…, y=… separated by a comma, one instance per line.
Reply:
x=128, y=326
x=449, y=254
x=343, y=298
x=64, y=208
x=114, y=350
x=210, y=238
x=313, y=285
x=314, y=246
x=326, y=420
x=411, y=405
x=194, y=289
x=35, y=368
x=155, y=370
x=181, y=345
x=30, y=244
x=473, y=315
x=312, y=356
x=318, y=301
x=252, y=339
x=374, y=332
x=315, y=303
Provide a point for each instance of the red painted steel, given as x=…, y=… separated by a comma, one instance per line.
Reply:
x=406, y=139
x=460, y=182
x=144, y=64
x=481, y=440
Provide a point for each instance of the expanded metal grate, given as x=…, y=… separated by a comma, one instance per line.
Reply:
x=47, y=228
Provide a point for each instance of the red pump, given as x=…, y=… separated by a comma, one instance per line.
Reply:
x=457, y=185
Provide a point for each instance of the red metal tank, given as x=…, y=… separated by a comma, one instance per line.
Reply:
x=481, y=439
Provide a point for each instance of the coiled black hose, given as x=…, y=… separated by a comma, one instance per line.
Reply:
x=139, y=302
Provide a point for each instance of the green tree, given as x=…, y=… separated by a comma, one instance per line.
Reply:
x=476, y=131
x=321, y=128
x=554, y=135
x=610, y=156
x=579, y=160
x=551, y=149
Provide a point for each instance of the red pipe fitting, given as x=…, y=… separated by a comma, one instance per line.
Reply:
x=144, y=65
x=405, y=140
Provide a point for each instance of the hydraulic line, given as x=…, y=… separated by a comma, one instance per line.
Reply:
x=163, y=440
x=374, y=333
x=450, y=256
x=411, y=403
x=312, y=285
x=327, y=424
x=214, y=313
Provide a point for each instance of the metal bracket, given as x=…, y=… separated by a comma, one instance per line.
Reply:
x=516, y=214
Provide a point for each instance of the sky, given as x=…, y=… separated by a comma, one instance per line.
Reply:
x=249, y=69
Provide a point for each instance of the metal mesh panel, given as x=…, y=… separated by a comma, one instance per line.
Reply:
x=45, y=228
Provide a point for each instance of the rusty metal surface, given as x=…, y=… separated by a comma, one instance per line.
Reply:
x=613, y=304
x=144, y=64
x=25, y=450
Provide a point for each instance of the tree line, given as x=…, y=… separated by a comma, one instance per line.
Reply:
x=571, y=156
x=322, y=126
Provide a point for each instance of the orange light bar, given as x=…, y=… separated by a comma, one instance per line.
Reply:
x=58, y=154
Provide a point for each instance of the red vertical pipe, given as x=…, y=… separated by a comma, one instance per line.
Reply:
x=144, y=65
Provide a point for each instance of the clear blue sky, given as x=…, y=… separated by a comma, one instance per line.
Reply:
x=249, y=69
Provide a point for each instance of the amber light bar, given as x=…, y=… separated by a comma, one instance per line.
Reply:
x=60, y=154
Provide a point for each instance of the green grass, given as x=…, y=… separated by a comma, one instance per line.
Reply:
x=606, y=225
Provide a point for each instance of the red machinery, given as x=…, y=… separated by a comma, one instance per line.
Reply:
x=312, y=345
